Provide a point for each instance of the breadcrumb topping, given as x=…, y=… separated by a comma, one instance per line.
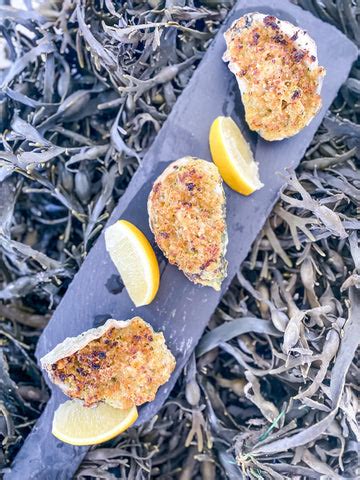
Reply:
x=124, y=367
x=187, y=217
x=282, y=81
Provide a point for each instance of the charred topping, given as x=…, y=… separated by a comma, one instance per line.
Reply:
x=255, y=38
x=116, y=365
x=190, y=213
x=299, y=55
x=270, y=21
x=277, y=73
x=279, y=38
x=206, y=264
x=157, y=186
x=187, y=175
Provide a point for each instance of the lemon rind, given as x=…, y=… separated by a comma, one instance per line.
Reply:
x=146, y=254
x=238, y=181
x=114, y=432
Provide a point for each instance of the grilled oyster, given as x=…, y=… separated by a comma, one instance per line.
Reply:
x=276, y=67
x=187, y=216
x=122, y=363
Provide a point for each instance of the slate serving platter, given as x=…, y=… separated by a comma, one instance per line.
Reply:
x=181, y=310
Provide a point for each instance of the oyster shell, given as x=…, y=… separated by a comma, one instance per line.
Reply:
x=122, y=363
x=187, y=216
x=276, y=67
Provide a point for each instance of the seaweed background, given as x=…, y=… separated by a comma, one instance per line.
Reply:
x=272, y=391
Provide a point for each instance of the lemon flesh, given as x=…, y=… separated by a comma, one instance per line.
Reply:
x=78, y=425
x=135, y=260
x=233, y=157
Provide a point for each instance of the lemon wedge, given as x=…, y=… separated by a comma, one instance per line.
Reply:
x=78, y=425
x=233, y=157
x=135, y=260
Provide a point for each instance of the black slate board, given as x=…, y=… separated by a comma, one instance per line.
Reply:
x=181, y=310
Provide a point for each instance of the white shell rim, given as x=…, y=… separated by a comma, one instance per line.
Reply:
x=71, y=345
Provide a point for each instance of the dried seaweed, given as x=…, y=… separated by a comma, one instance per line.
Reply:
x=273, y=389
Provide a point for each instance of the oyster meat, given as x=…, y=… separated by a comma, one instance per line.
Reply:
x=187, y=216
x=122, y=363
x=276, y=67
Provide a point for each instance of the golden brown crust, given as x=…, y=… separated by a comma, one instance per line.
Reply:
x=123, y=367
x=279, y=80
x=187, y=216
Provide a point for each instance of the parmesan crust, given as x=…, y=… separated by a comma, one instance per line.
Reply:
x=276, y=67
x=122, y=363
x=187, y=216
